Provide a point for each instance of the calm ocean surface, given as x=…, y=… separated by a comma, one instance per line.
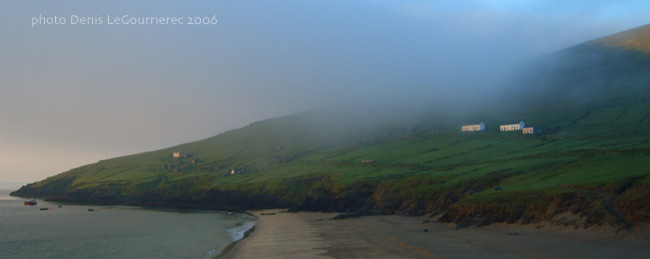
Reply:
x=112, y=231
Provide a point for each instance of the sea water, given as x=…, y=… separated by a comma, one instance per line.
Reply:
x=72, y=231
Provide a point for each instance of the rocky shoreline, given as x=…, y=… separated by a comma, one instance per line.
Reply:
x=574, y=207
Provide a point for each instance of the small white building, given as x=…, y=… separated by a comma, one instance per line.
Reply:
x=531, y=130
x=513, y=127
x=179, y=154
x=475, y=127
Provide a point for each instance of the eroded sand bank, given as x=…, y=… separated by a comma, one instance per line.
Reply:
x=312, y=235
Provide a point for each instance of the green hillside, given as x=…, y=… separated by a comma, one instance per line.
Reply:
x=591, y=160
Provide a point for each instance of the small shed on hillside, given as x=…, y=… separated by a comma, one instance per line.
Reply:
x=179, y=154
x=237, y=171
x=531, y=130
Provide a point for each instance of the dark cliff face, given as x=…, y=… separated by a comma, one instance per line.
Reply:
x=629, y=204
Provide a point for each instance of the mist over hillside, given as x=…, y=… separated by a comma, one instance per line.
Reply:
x=609, y=68
x=408, y=156
x=613, y=67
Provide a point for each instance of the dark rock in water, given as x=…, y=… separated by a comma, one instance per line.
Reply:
x=267, y=214
x=426, y=230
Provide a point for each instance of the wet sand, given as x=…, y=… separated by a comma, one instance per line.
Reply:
x=312, y=235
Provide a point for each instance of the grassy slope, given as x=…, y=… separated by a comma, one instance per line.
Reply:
x=592, y=160
x=637, y=39
x=408, y=169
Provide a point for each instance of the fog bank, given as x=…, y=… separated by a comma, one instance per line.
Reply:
x=74, y=94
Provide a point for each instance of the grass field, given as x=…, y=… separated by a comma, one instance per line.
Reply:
x=608, y=149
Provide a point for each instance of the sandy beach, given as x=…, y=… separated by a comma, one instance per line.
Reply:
x=314, y=235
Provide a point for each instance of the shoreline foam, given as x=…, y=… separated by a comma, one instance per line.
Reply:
x=237, y=234
x=227, y=249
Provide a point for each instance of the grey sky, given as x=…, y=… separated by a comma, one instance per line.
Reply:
x=74, y=94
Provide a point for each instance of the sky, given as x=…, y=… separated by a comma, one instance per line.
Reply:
x=73, y=94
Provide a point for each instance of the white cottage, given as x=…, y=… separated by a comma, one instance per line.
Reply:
x=513, y=127
x=531, y=130
x=475, y=127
